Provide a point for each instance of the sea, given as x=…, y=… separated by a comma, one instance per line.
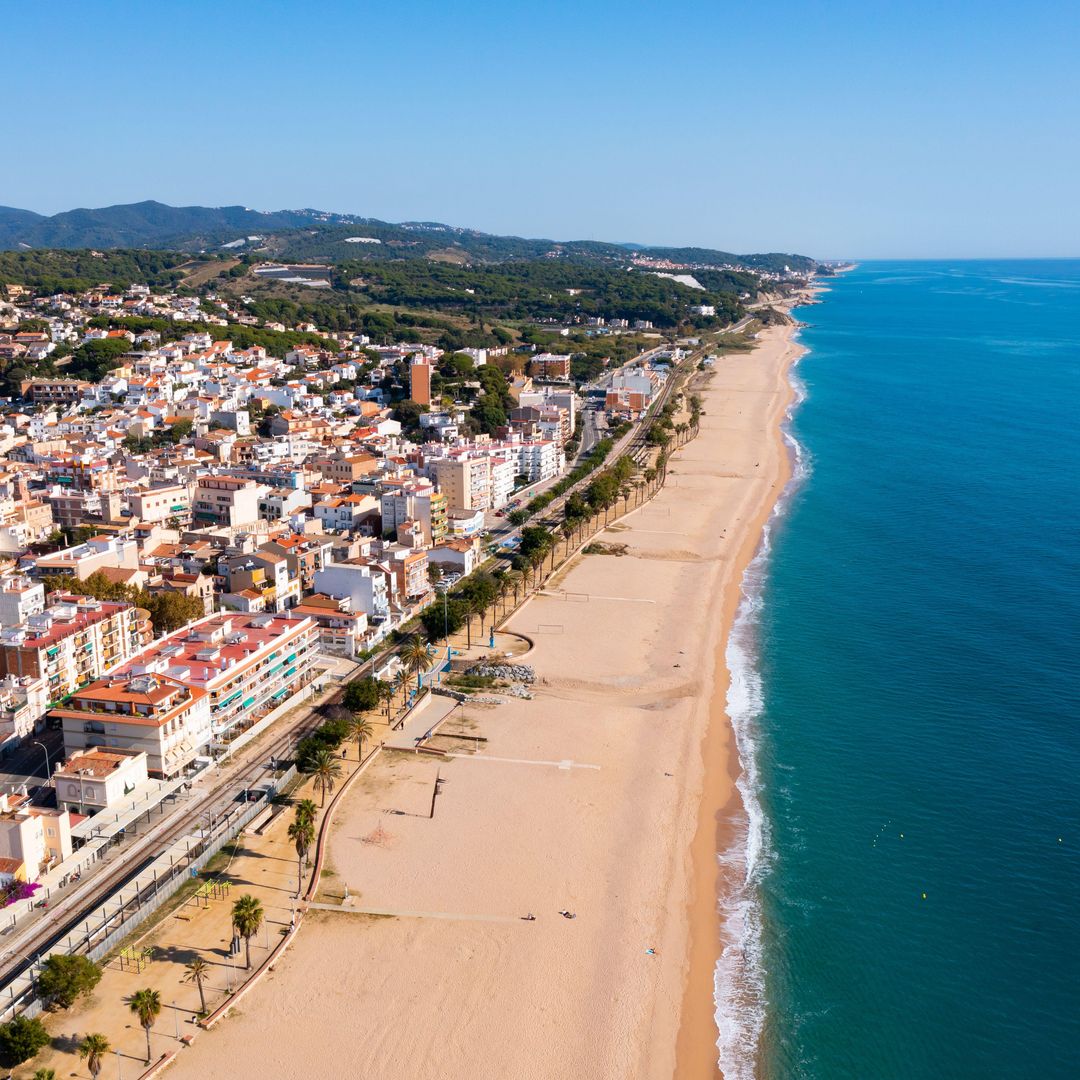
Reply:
x=906, y=692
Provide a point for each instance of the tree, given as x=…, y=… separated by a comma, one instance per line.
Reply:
x=325, y=766
x=22, y=1038
x=306, y=810
x=146, y=1005
x=94, y=1048
x=64, y=978
x=387, y=692
x=195, y=971
x=361, y=695
x=415, y=656
x=362, y=729
x=302, y=834
x=247, y=917
x=45, y=1074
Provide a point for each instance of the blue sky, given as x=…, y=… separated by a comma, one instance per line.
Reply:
x=835, y=129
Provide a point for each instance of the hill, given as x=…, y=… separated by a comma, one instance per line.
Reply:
x=329, y=237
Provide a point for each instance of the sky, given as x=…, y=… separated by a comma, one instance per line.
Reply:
x=833, y=129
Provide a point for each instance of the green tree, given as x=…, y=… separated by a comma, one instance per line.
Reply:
x=414, y=655
x=94, y=1048
x=65, y=978
x=196, y=970
x=361, y=729
x=247, y=918
x=361, y=695
x=45, y=1074
x=146, y=1005
x=22, y=1038
x=325, y=767
x=302, y=834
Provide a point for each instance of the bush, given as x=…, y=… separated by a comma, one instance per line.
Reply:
x=21, y=1039
x=64, y=978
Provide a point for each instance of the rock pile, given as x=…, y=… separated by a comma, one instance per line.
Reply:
x=517, y=673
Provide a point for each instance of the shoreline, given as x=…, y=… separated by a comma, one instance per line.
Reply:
x=605, y=793
x=723, y=814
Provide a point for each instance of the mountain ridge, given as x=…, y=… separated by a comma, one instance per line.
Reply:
x=325, y=235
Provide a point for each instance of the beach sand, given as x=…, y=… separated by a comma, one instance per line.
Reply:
x=608, y=794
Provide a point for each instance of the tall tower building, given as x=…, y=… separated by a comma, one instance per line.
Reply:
x=420, y=381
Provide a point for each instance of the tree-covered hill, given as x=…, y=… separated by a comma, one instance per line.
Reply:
x=330, y=237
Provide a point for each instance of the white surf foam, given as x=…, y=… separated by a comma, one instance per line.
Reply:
x=739, y=979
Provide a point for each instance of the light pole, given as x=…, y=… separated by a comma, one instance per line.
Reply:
x=48, y=769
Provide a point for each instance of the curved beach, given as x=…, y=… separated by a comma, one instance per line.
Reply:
x=609, y=794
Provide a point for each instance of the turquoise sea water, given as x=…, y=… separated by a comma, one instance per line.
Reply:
x=907, y=692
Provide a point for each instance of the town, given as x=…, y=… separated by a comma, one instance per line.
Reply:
x=204, y=538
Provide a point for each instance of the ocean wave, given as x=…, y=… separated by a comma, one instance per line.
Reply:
x=739, y=978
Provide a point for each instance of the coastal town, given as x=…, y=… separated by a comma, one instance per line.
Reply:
x=217, y=553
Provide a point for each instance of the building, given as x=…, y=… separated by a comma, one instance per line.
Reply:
x=550, y=366
x=23, y=703
x=19, y=599
x=73, y=641
x=366, y=587
x=153, y=714
x=227, y=500
x=98, y=778
x=341, y=632
x=98, y=553
x=246, y=665
x=416, y=500
x=465, y=481
x=342, y=468
x=31, y=838
x=420, y=381
x=167, y=503
x=53, y=391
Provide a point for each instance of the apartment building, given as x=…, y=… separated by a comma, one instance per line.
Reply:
x=341, y=631
x=465, y=481
x=365, y=586
x=420, y=381
x=73, y=641
x=23, y=703
x=165, y=503
x=226, y=500
x=98, y=553
x=246, y=665
x=416, y=500
x=150, y=713
x=19, y=599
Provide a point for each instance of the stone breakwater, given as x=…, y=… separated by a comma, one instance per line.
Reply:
x=518, y=673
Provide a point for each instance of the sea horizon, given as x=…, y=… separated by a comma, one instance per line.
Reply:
x=884, y=603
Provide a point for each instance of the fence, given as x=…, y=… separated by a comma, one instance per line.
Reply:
x=144, y=901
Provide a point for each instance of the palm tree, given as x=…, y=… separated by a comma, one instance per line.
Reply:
x=94, y=1048
x=362, y=729
x=401, y=682
x=45, y=1074
x=247, y=917
x=146, y=1005
x=325, y=766
x=387, y=693
x=415, y=656
x=302, y=834
x=306, y=811
x=195, y=971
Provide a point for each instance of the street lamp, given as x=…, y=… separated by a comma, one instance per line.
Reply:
x=48, y=769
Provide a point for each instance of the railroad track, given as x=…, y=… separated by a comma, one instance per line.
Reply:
x=18, y=953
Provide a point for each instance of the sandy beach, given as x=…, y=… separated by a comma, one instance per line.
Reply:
x=608, y=794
